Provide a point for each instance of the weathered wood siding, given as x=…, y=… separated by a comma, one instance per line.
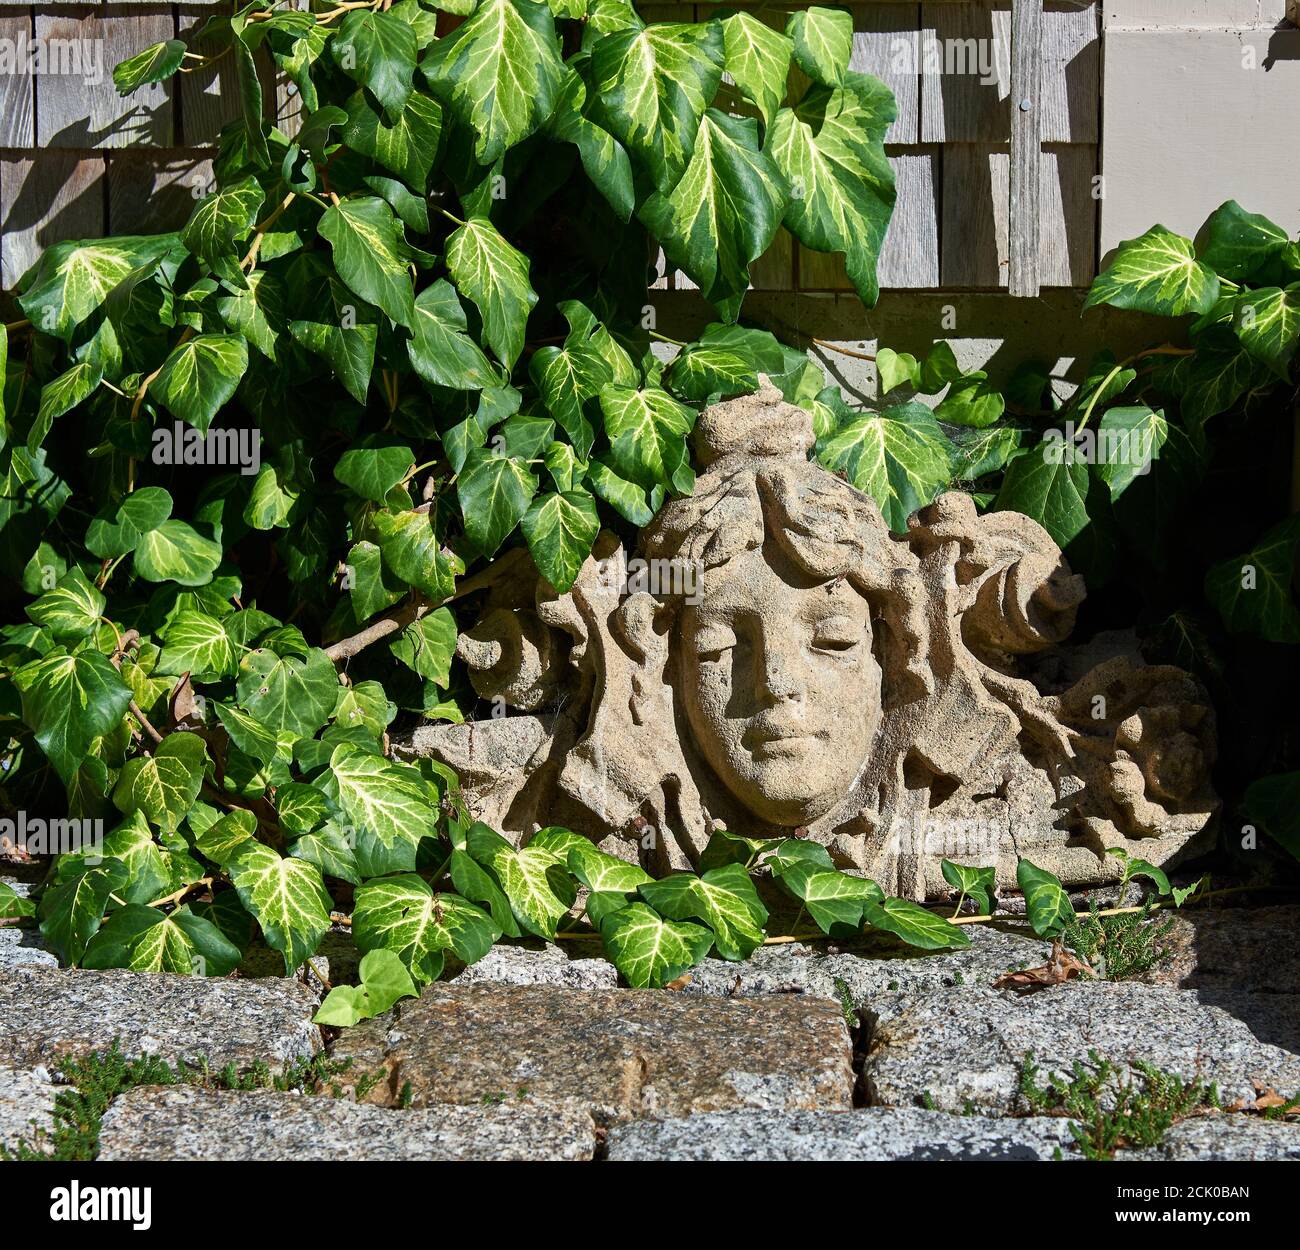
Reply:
x=76, y=160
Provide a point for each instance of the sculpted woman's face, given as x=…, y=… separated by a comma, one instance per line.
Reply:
x=779, y=684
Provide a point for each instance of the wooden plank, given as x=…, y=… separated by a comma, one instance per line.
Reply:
x=78, y=106
x=909, y=256
x=209, y=96
x=966, y=73
x=886, y=43
x=45, y=199
x=16, y=128
x=149, y=194
x=774, y=270
x=976, y=249
x=1023, y=201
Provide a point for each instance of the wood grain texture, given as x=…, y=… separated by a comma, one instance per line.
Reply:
x=1023, y=200
x=78, y=107
x=966, y=86
x=16, y=96
x=45, y=199
x=976, y=251
x=149, y=194
x=209, y=96
x=886, y=43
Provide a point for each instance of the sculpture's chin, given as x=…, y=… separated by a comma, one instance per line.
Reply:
x=780, y=796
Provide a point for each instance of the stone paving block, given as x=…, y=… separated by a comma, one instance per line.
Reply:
x=25, y=1096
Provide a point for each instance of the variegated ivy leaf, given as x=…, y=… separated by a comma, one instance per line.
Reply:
x=834, y=899
x=651, y=86
x=72, y=280
x=499, y=72
x=724, y=898
x=1156, y=273
x=441, y=350
x=1252, y=591
x=71, y=610
x=823, y=42
x=145, y=940
x=428, y=645
x=331, y=850
x=414, y=553
x=371, y=254
x=403, y=915
x=647, y=432
x=200, y=376
x=560, y=529
x=1047, y=905
x=301, y=808
x=758, y=60
x=602, y=873
x=176, y=552
x=220, y=840
x=724, y=211
x=494, y=276
x=364, y=705
x=255, y=739
x=494, y=493
x=1052, y=487
x=257, y=312
x=1267, y=322
x=1238, y=245
x=286, y=897
x=333, y=324
x=378, y=50
x=649, y=951
x=900, y=457
x=479, y=886
x=386, y=800
x=198, y=644
x=708, y=372
x=72, y=909
x=407, y=146
x=14, y=905
x=603, y=157
x=830, y=149
x=165, y=784
x=149, y=873
x=222, y=220
x=155, y=63
x=916, y=925
x=68, y=701
x=626, y=498
x=374, y=465
x=62, y=395
x=973, y=881
x=533, y=879
x=287, y=693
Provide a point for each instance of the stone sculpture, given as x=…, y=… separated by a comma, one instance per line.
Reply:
x=774, y=661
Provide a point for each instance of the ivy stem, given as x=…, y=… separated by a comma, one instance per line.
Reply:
x=663, y=338
x=844, y=351
x=13, y=327
x=259, y=232
x=457, y=220
x=181, y=893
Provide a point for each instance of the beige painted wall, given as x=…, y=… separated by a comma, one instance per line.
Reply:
x=1192, y=117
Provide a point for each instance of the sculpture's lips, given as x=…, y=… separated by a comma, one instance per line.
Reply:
x=776, y=738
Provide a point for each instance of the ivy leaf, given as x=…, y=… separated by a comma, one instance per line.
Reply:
x=724, y=211
x=499, y=72
x=494, y=493
x=823, y=43
x=408, y=146
x=143, y=939
x=1142, y=432
x=971, y=402
x=647, y=432
x=428, y=646
x=1134, y=867
x=1218, y=375
x=176, y=552
x=1238, y=245
x=626, y=498
x=440, y=350
x=68, y=701
x=834, y=899
x=1253, y=591
x=164, y=785
x=382, y=798
x=648, y=951
x=155, y=63
x=560, y=529
x=371, y=589
x=974, y=882
x=1273, y=803
x=330, y=850
x=916, y=925
x=1051, y=487
x=413, y=551
x=900, y=457
x=477, y=885
x=830, y=149
x=1046, y=904
x=200, y=376
x=61, y=395
x=374, y=466
x=222, y=220
x=116, y=531
x=287, y=898
x=602, y=873
x=1267, y=322
x=1156, y=273
x=149, y=873
x=704, y=373
x=402, y=914
x=494, y=276
x=288, y=694
x=337, y=326
x=370, y=254
x=71, y=610
x=221, y=839
x=71, y=911
x=604, y=159
x=198, y=644
x=758, y=60
x=652, y=85
x=378, y=50
x=533, y=879
x=13, y=905
x=724, y=898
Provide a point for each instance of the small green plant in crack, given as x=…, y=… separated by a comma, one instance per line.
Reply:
x=95, y=1081
x=851, y=1020
x=1119, y=947
x=1107, y=1113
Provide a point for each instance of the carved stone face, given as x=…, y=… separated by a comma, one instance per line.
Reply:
x=780, y=685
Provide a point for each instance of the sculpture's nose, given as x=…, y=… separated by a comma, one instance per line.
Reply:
x=779, y=680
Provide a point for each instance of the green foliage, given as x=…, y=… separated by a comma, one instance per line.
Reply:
x=1108, y=1114
x=1118, y=948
